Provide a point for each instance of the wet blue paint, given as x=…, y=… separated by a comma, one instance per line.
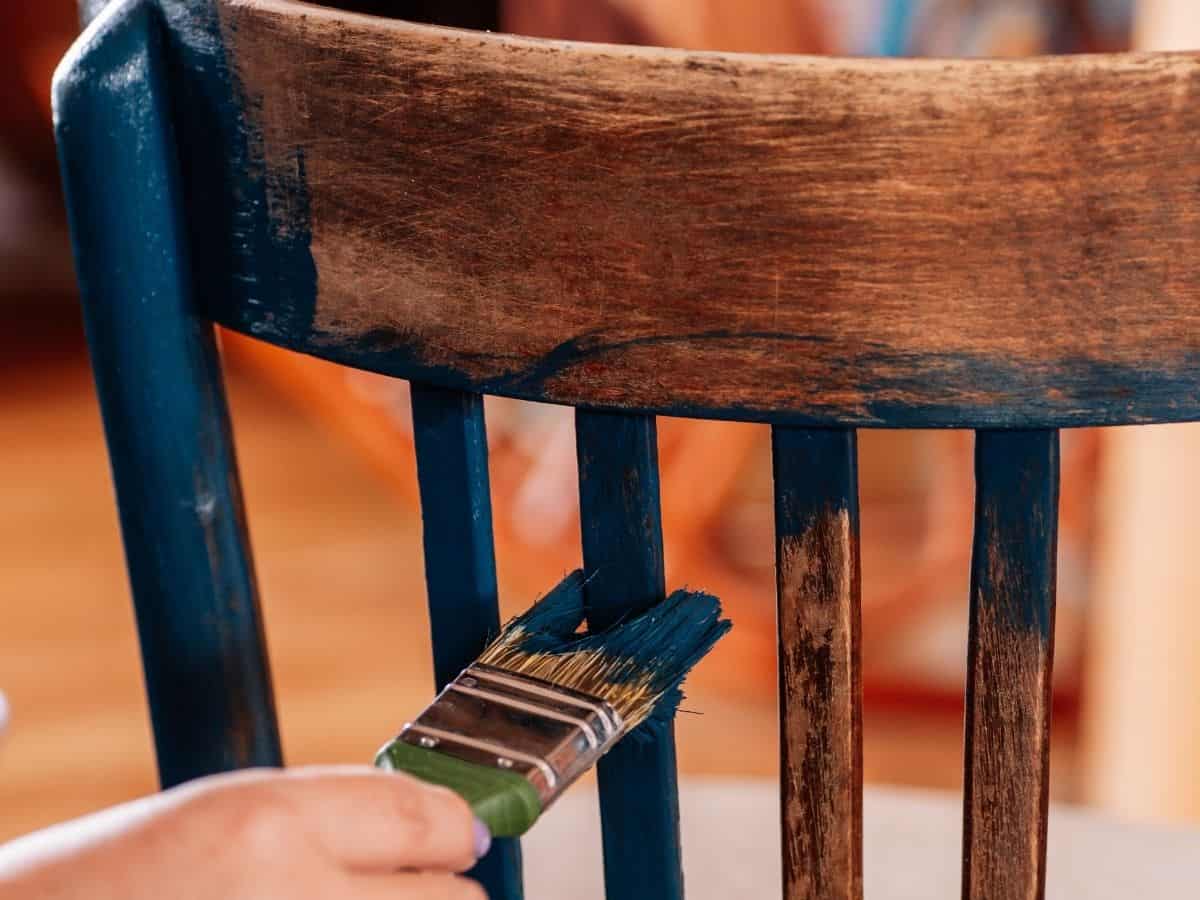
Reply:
x=659, y=645
x=460, y=564
x=456, y=514
x=621, y=520
x=554, y=620
x=163, y=403
x=621, y=515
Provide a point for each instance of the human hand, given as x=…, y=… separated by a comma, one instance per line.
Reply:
x=300, y=834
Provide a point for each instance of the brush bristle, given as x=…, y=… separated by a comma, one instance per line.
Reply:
x=637, y=665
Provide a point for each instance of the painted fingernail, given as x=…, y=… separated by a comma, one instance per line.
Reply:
x=483, y=839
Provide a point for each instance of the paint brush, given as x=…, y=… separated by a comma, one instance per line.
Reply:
x=545, y=700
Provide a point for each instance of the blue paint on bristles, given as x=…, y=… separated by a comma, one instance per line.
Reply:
x=638, y=665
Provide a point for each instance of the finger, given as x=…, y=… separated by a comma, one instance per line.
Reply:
x=378, y=821
x=413, y=887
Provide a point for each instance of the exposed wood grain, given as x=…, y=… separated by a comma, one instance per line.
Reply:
x=1011, y=649
x=820, y=690
x=667, y=230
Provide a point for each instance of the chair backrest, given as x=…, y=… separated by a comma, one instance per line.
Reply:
x=821, y=244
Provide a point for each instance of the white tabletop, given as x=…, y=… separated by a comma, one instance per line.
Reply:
x=911, y=842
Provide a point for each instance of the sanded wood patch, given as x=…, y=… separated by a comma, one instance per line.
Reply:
x=818, y=583
x=820, y=689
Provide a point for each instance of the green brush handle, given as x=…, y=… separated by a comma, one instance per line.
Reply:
x=504, y=801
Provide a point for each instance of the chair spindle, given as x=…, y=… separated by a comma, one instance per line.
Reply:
x=820, y=690
x=1011, y=645
x=165, y=415
x=623, y=558
x=460, y=564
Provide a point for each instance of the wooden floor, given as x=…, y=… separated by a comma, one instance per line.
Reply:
x=341, y=573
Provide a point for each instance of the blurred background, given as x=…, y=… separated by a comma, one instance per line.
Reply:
x=332, y=497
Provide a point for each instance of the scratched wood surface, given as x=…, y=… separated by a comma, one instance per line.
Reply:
x=677, y=231
x=1011, y=648
x=820, y=690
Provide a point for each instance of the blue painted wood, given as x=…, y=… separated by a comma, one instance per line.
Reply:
x=163, y=402
x=460, y=563
x=820, y=686
x=1010, y=656
x=1008, y=394
x=621, y=520
x=621, y=514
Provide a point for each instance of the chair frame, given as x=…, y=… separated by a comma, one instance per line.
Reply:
x=818, y=244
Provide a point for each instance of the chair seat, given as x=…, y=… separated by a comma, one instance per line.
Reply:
x=912, y=847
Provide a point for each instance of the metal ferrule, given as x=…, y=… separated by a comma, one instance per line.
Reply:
x=496, y=718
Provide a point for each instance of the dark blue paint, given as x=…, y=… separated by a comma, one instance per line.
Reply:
x=816, y=474
x=621, y=515
x=972, y=391
x=252, y=261
x=460, y=562
x=163, y=402
x=456, y=512
x=250, y=255
x=658, y=646
x=1016, y=516
x=623, y=557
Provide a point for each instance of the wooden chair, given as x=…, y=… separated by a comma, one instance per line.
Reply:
x=820, y=244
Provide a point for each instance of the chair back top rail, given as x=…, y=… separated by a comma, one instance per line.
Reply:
x=860, y=242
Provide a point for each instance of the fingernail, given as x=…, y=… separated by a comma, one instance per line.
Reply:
x=483, y=839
